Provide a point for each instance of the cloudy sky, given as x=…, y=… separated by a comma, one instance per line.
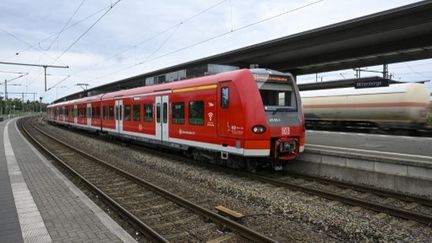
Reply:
x=107, y=40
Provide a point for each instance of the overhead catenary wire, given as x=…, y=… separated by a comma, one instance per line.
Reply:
x=173, y=28
x=79, y=38
x=88, y=29
x=64, y=26
x=211, y=38
x=26, y=43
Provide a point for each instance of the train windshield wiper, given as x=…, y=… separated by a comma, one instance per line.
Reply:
x=276, y=110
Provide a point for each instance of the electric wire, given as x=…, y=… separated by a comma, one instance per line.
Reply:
x=87, y=30
x=64, y=27
x=173, y=28
x=210, y=39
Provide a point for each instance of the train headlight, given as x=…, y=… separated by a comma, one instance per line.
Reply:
x=258, y=129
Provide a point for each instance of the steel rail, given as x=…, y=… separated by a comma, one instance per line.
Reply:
x=399, y=212
x=146, y=230
x=363, y=188
x=232, y=225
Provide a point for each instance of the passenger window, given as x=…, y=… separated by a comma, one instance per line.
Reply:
x=196, y=113
x=127, y=112
x=224, y=97
x=111, y=113
x=158, y=113
x=165, y=112
x=136, y=112
x=178, y=112
x=148, y=112
x=105, y=113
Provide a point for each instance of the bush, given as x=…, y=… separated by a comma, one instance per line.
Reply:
x=429, y=119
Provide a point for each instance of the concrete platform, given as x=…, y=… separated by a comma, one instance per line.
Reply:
x=38, y=204
x=407, y=173
x=368, y=141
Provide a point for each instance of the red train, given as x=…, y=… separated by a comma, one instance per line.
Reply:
x=241, y=118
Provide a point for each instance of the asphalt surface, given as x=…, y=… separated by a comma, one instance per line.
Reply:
x=375, y=142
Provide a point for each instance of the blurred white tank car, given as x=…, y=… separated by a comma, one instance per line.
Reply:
x=399, y=106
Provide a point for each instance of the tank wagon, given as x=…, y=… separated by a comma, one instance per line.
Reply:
x=399, y=106
x=242, y=118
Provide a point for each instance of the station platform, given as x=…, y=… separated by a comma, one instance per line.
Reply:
x=397, y=163
x=373, y=142
x=38, y=204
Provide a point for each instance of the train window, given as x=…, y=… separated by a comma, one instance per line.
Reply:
x=111, y=112
x=165, y=112
x=148, y=112
x=127, y=112
x=82, y=112
x=136, y=112
x=158, y=113
x=97, y=112
x=224, y=97
x=196, y=113
x=277, y=98
x=178, y=112
x=105, y=112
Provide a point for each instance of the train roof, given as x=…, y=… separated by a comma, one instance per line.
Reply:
x=84, y=99
x=205, y=80
x=394, y=88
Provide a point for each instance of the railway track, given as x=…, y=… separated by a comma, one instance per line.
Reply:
x=404, y=206
x=382, y=201
x=160, y=215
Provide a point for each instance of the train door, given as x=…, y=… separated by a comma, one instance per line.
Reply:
x=118, y=115
x=162, y=117
x=89, y=114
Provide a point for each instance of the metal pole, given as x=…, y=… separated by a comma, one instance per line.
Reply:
x=6, y=99
x=23, y=104
x=45, y=67
x=385, y=71
x=35, y=65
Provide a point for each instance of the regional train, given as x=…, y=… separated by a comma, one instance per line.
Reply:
x=399, y=107
x=243, y=118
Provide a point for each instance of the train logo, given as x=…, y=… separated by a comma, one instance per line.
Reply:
x=285, y=131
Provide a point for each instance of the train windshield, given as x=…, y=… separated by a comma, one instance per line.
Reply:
x=277, y=91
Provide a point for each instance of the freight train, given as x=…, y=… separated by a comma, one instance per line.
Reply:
x=244, y=118
x=399, y=107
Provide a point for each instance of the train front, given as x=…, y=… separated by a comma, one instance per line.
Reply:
x=283, y=111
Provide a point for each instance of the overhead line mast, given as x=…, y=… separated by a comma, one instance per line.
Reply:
x=36, y=65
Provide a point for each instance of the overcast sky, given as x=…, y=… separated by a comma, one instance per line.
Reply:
x=137, y=36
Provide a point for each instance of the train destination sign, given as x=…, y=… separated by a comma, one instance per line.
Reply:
x=371, y=83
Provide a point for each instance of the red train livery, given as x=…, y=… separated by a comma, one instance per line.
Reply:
x=241, y=118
